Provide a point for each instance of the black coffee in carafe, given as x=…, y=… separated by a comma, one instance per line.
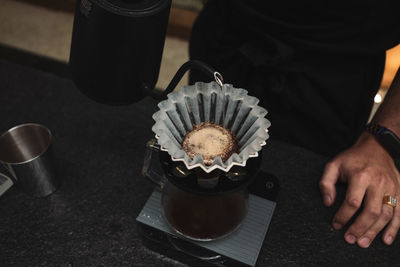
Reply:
x=205, y=217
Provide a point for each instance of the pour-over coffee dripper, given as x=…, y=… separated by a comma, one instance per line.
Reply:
x=226, y=106
x=192, y=189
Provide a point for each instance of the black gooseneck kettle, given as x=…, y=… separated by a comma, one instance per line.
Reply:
x=116, y=50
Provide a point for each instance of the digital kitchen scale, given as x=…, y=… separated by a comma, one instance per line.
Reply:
x=241, y=248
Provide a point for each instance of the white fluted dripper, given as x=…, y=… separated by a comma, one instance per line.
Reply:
x=229, y=107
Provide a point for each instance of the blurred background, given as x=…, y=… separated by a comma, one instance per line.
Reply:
x=38, y=33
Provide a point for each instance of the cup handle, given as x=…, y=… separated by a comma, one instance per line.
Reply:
x=149, y=170
x=5, y=183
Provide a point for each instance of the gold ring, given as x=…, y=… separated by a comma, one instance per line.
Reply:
x=389, y=200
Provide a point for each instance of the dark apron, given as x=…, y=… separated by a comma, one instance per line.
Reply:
x=316, y=75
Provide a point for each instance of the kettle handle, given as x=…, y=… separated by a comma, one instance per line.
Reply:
x=191, y=64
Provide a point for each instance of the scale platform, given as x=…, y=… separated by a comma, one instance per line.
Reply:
x=241, y=248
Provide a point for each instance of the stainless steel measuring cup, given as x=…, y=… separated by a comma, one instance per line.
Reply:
x=26, y=154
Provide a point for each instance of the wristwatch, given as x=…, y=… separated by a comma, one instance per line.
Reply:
x=388, y=139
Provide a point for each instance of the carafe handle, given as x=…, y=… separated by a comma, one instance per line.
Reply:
x=6, y=181
x=149, y=170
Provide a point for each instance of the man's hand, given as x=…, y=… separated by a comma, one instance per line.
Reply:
x=371, y=174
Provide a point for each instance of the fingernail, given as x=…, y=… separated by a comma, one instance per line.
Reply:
x=389, y=239
x=336, y=225
x=327, y=199
x=364, y=242
x=350, y=239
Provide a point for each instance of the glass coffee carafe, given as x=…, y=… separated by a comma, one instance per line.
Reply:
x=197, y=206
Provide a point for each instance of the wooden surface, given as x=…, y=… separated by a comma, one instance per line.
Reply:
x=391, y=66
x=181, y=22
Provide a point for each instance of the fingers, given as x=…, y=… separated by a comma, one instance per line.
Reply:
x=354, y=197
x=370, y=175
x=370, y=214
x=393, y=227
x=386, y=216
x=328, y=181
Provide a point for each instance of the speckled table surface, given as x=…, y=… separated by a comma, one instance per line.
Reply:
x=90, y=219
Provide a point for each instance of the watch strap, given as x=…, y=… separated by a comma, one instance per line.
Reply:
x=372, y=128
x=387, y=138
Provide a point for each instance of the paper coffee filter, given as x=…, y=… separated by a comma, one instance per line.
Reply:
x=208, y=102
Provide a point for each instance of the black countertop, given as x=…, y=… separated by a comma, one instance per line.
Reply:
x=90, y=219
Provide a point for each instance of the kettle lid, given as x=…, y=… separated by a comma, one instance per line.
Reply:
x=134, y=8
